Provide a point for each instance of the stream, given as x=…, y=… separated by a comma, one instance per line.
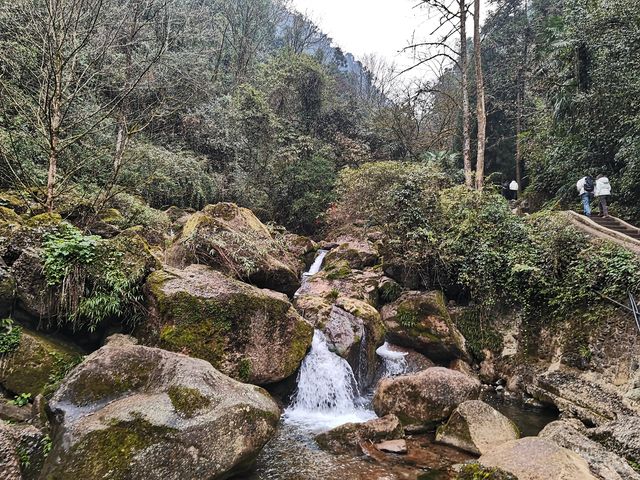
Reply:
x=327, y=395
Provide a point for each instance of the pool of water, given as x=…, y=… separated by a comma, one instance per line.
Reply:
x=529, y=419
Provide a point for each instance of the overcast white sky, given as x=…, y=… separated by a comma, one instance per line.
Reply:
x=383, y=27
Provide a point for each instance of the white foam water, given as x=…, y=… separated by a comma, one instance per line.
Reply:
x=394, y=362
x=327, y=392
x=317, y=263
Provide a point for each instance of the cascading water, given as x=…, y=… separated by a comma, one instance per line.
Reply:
x=394, y=362
x=327, y=392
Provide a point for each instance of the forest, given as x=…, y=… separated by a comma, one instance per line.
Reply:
x=230, y=248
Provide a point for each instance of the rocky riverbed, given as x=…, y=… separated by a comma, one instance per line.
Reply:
x=236, y=365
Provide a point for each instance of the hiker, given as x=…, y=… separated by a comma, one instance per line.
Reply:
x=505, y=190
x=513, y=190
x=603, y=191
x=586, y=186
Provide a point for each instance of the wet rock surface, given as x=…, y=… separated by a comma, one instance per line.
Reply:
x=251, y=334
x=348, y=437
x=425, y=397
x=134, y=412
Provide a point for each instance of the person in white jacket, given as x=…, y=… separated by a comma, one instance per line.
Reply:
x=603, y=192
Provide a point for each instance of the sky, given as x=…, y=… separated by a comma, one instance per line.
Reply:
x=382, y=27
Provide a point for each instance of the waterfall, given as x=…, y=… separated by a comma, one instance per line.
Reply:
x=327, y=392
x=394, y=362
x=317, y=263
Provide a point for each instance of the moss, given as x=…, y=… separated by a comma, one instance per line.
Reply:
x=475, y=471
x=300, y=341
x=479, y=332
x=37, y=364
x=112, y=216
x=187, y=401
x=338, y=270
x=108, y=453
x=44, y=219
x=95, y=386
x=244, y=369
x=9, y=216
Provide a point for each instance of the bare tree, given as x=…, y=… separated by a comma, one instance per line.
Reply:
x=480, y=106
x=300, y=33
x=57, y=99
x=452, y=22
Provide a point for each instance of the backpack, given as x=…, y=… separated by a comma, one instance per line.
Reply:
x=589, y=184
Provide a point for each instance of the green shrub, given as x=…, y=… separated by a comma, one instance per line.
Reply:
x=10, y=335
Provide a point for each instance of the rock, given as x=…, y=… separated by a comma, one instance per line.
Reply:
x=425, y=397
x=477, y=428
x=487, y=371
x=22, y=451
x=347, y=438
x=232, y=239
x=7, y=290
x=37, y=364
x=420, y=320
x=250, y=334
x=33, y=293
x=533, y=458
x=13, y=413
x=120, y=340
x=358, y=254
x=621, y=436
x=135, y=412
x=462, y=367
x=606, y=465
x=388, y=290
x=393, y=446
x=416, y=362
x=592, y=402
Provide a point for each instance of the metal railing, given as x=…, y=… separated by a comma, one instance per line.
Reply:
x=634, y=309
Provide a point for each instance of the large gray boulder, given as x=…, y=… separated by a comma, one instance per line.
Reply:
x=250, y=334
x=533, y=458
x=426, y=397
x=605, y=464
x=477, y=428
x=134, y=412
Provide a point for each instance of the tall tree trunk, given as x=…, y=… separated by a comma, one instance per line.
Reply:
x=466, y=114
x=54, y=124
x=521, y=99
x=481, y=107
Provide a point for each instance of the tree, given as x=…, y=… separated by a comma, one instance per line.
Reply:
x=481, y=108
x=453, y=20
x=57, y=93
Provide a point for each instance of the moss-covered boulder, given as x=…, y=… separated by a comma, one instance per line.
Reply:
x=358, y=254
x=420, y=320
x=533, y=458
x=426, y=397
x=347, y=438
x=232, y=239
x=250, y=334
x=37, y=363
x=130, y=411
x=477, y=427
